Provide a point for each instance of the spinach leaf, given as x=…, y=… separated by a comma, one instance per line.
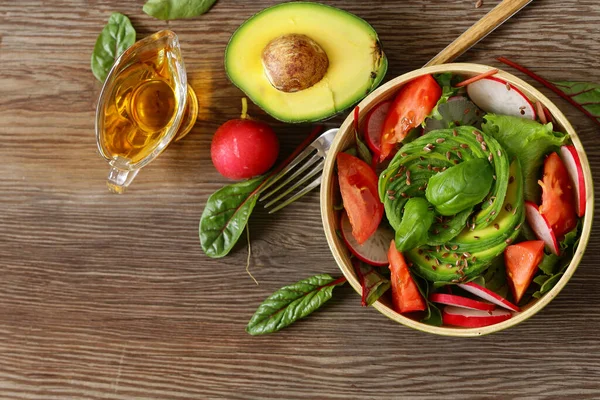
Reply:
x=226, y=214
x=373, y=284
x=115, y=38
x=526, y=140
x=176, y=9
x=290, y=303
x=416, y=221
x=460, y=187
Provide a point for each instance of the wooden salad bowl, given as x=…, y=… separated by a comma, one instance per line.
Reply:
x=330, y=196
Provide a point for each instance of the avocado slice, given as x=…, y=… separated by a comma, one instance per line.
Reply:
x=471, y=252
x=275, y=56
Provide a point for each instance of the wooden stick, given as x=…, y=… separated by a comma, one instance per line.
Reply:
x=489, y=22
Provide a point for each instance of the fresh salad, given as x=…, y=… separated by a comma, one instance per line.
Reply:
x=464, y=189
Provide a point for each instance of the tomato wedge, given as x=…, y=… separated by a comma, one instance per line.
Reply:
x=405, y=293
x=522, y=260
x=557, y=196
x=412, y=105
x=358, y=185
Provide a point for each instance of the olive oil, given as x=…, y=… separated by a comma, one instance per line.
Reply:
x=141, y=107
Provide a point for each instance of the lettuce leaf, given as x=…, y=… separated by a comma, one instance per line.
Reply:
x=527, y=140
x=446, y=83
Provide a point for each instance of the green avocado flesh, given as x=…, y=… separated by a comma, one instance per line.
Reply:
x=356, y=66
x=462, y=246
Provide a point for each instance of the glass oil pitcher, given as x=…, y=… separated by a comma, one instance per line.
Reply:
x=145, y=104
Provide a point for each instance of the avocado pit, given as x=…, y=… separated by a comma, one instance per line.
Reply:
x=294, y=62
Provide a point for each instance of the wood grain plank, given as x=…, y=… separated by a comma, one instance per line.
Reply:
x=110, y=297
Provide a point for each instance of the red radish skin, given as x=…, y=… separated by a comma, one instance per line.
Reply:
x=374, y=125
x=242, y=148
x=488, y=295
x=374, y=250
x=494, y=95
x=467, y=318
x=460, y=301
x=572, y=161
x=541, y=227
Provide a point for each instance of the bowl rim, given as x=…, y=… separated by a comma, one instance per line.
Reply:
x=329, y=223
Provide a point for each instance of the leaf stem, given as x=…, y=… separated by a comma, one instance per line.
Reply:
x=549, y=85
x=249, y=254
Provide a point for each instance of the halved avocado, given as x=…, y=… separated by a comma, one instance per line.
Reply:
x=304, y=61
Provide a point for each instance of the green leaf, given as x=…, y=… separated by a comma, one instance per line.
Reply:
x=541, y=279
x=290, y=303
x=115, y=38
x=549, y=263
x=362, y=149
x=415, y=223
x=373, y=284
x=176, y=9
x=434, y=316
x=550, y=283
x=527, y=140
x=585, y=94
x=226, y=214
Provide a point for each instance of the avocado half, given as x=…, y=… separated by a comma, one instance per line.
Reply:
x=283, y=46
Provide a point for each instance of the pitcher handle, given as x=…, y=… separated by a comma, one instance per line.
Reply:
x=119, y=179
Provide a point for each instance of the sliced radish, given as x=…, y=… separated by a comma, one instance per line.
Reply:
x=374, y=125
x=467, y=318
x=493, y=95
x=541, y=227
x=374, y=250
x=573, y=163
x=460, y=301
x=488, y=295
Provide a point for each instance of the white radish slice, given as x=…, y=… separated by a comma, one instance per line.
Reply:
x=493, y=95
x=460, y=301
x=467, y=318
x=573, y=163
x=374, y=125
x=374, y=250
x=541, y=227
x=488, y=295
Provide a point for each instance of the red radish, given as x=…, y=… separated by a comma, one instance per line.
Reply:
x=243, y=148
x=522, y=260
x=460, y=301
x=488, y=295
x=374, y=250
x=541, y=227
x=374, y=125
x=467, y=318
x=571, y=159
x=493, y=95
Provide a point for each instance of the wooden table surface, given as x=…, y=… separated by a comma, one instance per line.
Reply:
x=110, y=297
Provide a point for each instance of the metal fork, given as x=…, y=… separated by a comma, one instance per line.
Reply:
x=307, y=171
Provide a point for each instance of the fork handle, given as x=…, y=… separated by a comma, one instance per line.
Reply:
x=493, y=19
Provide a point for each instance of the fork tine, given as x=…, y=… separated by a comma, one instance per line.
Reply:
x=295, y=197
x=318, y=168
x=304, y=154
x=300, y=170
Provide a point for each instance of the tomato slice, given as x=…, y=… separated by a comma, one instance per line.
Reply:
x=412, y=105
x=558, y=204
x=522, y=260
x=358, y=185
x=405, y=293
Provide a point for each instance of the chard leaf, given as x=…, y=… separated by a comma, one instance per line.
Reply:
x=373, y=284
x=362, y=149
x=115, y=38
x=528, y=141
x=586, y=94
x=290, y=303
x=226, y=214
x=177, y=9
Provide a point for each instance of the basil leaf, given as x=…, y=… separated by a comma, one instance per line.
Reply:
x=226, y=214
x=115, y=38
x=290, y=303
x=373, y=284
x=176, y=9
x=586, y=94
x=362, y=149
